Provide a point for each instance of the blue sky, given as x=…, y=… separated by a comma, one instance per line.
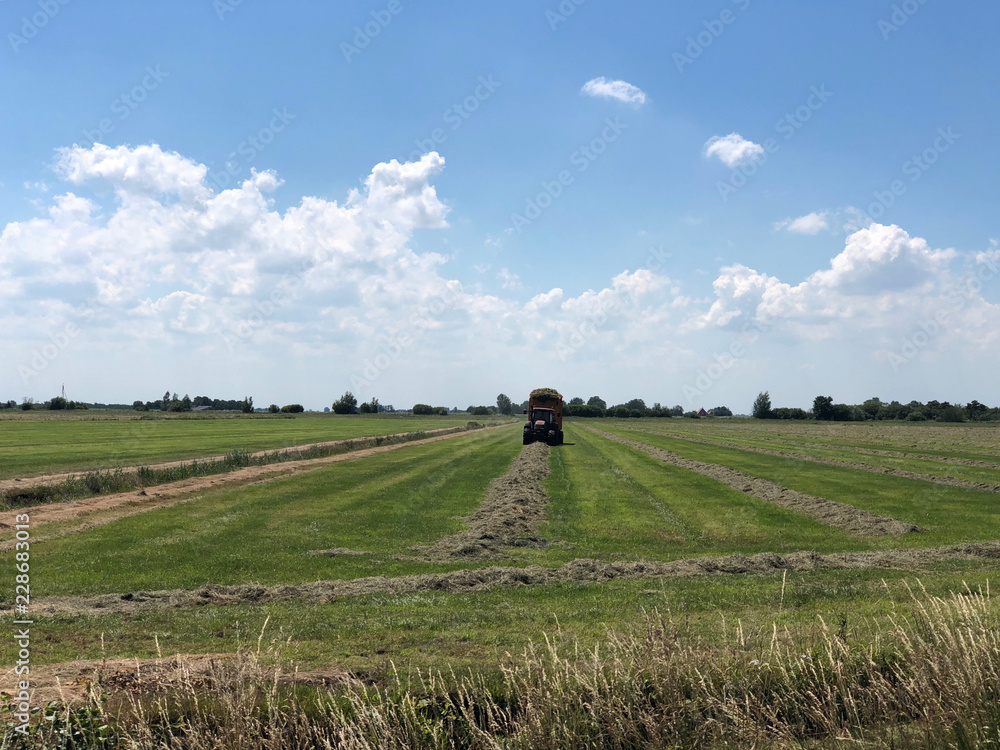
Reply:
x=788, y=196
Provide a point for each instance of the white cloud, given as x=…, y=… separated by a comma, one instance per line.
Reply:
x=733, y=149
x=810, y=224
x=620, y=90
x=219, y=291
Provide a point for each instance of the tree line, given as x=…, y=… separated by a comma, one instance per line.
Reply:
x=875, y=409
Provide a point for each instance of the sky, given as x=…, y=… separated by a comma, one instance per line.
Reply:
x=687, y=203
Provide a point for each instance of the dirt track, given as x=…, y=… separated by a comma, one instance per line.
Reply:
x=45, y=479
x=967, y=484
x=829, y=512
x=486, y=579
x=131, y=503
x=509, y=515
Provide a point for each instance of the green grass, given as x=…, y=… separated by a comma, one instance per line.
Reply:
x=949, y=514
x=383, y=504
x=611, y=502
x=40, y=445
x=845, y=453
x=435, y=629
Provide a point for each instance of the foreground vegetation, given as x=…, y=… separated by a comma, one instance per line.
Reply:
x=808, y=658
x=926, y=680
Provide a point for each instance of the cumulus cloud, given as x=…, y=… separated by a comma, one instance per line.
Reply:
x=810, y=224
x=733, y=149
x=620, y=90
x=883, y=280
x=162, y=273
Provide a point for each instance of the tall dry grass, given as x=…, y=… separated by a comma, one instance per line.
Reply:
x=930, y=679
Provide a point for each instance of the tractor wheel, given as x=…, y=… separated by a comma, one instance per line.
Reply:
x=526, y=440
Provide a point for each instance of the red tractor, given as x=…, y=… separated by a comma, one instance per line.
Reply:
x=545, y=417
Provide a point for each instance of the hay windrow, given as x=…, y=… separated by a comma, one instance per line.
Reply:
x=967, y=484
x=839, y=515
x=487, y=579
x=514, y=506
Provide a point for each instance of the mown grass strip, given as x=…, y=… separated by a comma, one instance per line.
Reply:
x=124, y=480
x=263, y=533
x=106, y=440
x=925, y=469
x=949, y=514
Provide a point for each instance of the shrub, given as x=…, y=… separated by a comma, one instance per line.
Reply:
x=423, y=409
x=292, y=409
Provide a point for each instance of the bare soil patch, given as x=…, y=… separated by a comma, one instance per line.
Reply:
x=839, y=515
x=509, y=515
x=131, y=503
x=486, y=579
x=966, y=484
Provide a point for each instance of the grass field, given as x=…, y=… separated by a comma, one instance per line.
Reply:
x=76, y=441
x=370, y=518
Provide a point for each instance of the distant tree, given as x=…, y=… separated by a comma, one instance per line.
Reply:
x=186, y=403
x=369, y=407
x=139, y=406
x=292, y=409
x=677, y=411
x=597, y=401
x=692, y=415
x=951, y=413
x=166, y=399
x=872, y=407
x=637, y=404
x=657, y=410
x=346, y=404
x=975, y=410
x=722, y=411
x=504, y=405
x=621, y=412
x=273, y=409
x=823, y=407
x=418, y=409
x=762, y=406
x=479, y=411
x=27, y=404
x=576, y=401
x=58, y=403
x=785, y=413
x=247, y=406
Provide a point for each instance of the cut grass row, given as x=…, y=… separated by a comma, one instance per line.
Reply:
x=369, y=634
x=949, y=514
x=906, y=463
x=124, y=480
x=36, y=446
x=262, y=533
